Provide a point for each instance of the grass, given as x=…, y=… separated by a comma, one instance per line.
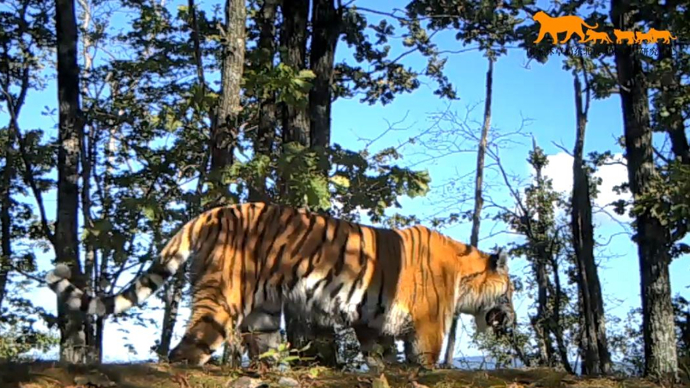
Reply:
x=53, y=375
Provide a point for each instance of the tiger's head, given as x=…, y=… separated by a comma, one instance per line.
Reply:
x=540, y=17
x=488, y=295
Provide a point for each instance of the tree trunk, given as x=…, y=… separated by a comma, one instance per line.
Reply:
x=6, y=217
x=593, y=342
x=223, y=130
x=541, y=259
x=294, y=42
x=73, y=346
x=90, y=265
x=478, y=199
x=556, y=324
x=173, y=296
x=263, y=144
x=652, y=238
x=542, y=319
x=326, y=30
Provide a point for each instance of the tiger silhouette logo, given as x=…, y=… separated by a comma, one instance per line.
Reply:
x=570, y=24
x=597, y=37
x=624, y=35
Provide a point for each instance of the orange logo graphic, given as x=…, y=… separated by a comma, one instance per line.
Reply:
x=665, y=35
x=624, y=35
x=553, y=26
x=571, y=24
x=597, y=36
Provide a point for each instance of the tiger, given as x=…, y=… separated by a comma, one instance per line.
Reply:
x=250, y=259
x=570, y=24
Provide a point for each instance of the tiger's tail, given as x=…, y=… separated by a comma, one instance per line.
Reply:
x=172, y=258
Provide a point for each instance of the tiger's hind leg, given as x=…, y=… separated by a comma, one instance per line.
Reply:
x=211, y=323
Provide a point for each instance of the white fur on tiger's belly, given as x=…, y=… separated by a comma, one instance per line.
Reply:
x=397, y=320
x=321, y=307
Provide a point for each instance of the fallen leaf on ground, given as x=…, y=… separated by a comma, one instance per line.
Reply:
x=380, y=382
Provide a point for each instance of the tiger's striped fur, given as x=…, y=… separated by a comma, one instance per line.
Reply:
x=255, y=257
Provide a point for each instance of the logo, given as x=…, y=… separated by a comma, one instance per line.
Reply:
x=572, y=25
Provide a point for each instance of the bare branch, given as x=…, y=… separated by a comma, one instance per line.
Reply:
x=562, y=148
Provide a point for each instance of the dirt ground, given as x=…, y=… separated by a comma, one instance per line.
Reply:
x=52, y=375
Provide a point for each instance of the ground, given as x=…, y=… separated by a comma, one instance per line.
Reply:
x=53, y=375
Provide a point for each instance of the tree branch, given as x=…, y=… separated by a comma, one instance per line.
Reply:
x=28, y=168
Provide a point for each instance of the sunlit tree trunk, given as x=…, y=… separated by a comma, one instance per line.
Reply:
x=266, y=131
x=478, y=200
x=652, y=238
x=224, y=127
x=73, y=345
x=593, y=343
x=5, y=216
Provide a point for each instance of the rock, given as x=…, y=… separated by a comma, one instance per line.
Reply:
x=246, y=382
x=288, y=382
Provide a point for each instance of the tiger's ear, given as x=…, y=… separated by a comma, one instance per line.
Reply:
x=500, y=260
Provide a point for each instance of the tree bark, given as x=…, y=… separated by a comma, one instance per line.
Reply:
x=6, y=217
x=294, y=41
x=326, y=30
x=173, y=296
x=478, y=199
x=541, y=321
x=223, y=130
x=556, y=325
x=541, y=259
x=224, y=122
x=652, y=238
x=90, y=272
x=263, y=144
x=73, y=346
x=596, y=358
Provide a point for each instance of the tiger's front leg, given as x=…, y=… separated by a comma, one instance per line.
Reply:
x=423, y=346
x=261, y=330
x=378, y=349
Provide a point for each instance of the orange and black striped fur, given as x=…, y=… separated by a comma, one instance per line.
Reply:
x=247, y=260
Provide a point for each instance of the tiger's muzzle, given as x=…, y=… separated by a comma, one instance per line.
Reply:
x=501, y=319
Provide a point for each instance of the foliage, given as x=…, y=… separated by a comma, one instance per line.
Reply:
x=284, y=355
x=667, y=198
x=624, y=339
x=681, y=307
x=21, y=330
x=386, y=77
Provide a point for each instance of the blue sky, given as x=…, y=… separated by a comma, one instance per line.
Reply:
x=541, y=92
